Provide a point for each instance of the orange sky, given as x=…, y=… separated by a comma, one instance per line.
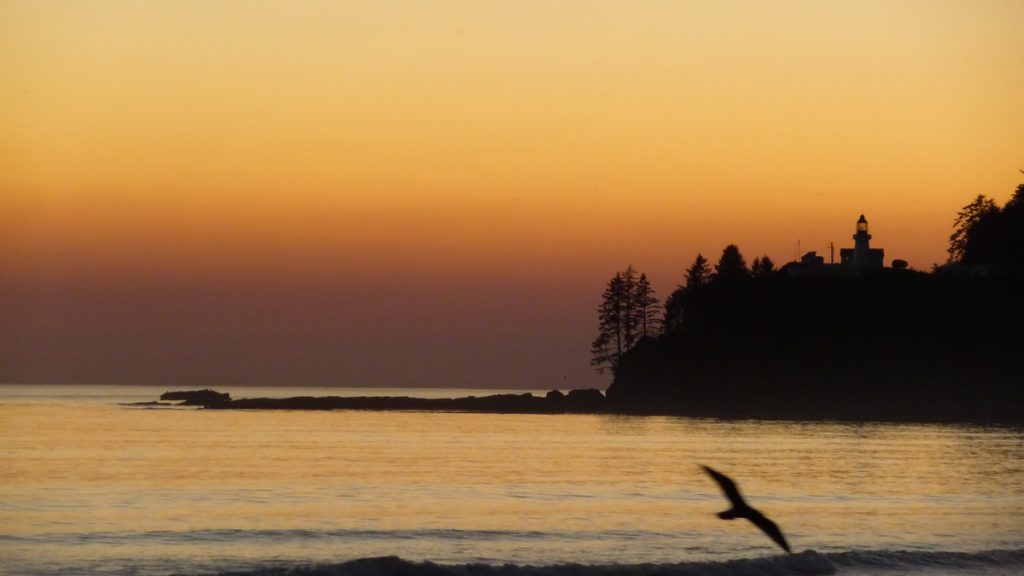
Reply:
x=466, y=146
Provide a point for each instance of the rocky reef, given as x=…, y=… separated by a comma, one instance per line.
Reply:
x=206, y=398
x=583, y=401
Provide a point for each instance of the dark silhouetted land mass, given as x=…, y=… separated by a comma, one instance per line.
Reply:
x=851, y=340
x=894, y=345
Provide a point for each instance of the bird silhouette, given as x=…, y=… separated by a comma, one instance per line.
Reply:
x=740, y=509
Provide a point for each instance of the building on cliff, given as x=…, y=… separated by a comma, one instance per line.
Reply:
x=852, y=261
x=862, y=256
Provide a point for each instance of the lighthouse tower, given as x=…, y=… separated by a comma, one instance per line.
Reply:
x=862, y=256
x=861, y=246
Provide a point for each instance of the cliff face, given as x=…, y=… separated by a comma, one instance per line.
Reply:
x=885, y=346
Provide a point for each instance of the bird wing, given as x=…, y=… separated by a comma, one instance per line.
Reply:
x=728, y=487
x=771, y=529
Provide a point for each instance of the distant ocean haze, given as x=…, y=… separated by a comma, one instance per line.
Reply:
x=362, y=332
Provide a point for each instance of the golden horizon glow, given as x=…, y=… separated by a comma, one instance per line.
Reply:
x=492, y=143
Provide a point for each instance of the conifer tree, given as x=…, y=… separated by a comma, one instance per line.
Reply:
x=627, y=313
x=630, y=320
x=608, y=346
x=762, y=266
x=698, y=273
x=646, y=306
x=731, y=265
x=673, y=319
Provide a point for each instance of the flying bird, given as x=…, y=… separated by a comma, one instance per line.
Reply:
x=740, y=509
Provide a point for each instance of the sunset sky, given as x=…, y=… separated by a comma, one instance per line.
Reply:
x=434, y=193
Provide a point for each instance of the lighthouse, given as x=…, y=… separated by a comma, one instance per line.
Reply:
x=861, y=260
x=862, y=256
x=861, y=244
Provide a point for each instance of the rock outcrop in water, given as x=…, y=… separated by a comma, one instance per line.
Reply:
x=207, y=397
x=588, y=401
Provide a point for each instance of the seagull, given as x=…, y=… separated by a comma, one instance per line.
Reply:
x=740, y=509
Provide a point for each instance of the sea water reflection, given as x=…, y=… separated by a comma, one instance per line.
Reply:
x=91, y=483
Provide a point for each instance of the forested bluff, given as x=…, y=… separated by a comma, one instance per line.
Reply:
x=889, y=346
x=818, y=341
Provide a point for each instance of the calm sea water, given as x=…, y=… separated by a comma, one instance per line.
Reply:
x=89, y=486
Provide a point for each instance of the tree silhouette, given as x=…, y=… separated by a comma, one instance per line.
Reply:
x=607, y=348
x=731, y=266
x=984, y=233
x=630, y=320
x=674, y=310
x=699, y=273
x=762, y=266
x=1013, y=214
x=628, y=312
x=970, y=221
x=646, y=307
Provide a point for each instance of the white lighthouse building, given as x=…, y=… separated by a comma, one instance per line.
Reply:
x=862, y=256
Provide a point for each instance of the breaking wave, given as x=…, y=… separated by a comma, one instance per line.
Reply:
x=807, y=563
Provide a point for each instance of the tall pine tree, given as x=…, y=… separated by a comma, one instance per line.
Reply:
x=627, y=313
x=630, y=321
x=608, y=346
x=646, y=307
x=698, y=273
x=731, y=266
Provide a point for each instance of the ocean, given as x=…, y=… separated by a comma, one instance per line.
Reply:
x=89, y=485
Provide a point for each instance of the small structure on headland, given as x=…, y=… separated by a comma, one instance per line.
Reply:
x=862, y=258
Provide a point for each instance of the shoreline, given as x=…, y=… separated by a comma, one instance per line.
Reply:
x=592, y=401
